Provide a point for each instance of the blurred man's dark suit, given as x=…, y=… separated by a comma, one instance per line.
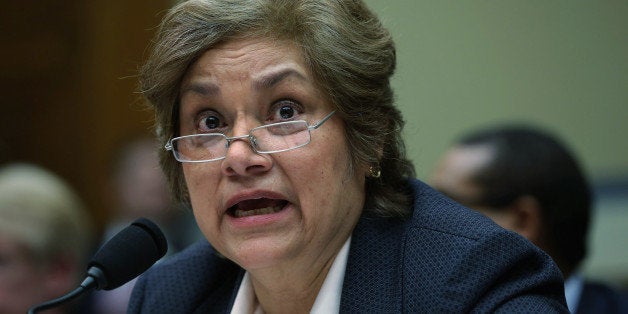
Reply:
x=599, y=298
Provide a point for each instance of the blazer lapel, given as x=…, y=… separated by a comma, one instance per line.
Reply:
x=373, y=278
x=220, y=299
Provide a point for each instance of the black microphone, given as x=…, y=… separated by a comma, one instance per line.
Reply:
x=128, y=254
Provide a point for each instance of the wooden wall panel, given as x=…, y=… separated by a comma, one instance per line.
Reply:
x=67, y=80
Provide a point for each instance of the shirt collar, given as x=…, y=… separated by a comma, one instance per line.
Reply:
x=573, y=289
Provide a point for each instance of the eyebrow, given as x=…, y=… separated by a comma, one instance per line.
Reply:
x=204, y=88
x=264, y=82
x=271, y=79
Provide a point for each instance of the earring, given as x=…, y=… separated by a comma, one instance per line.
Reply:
x=375, y=171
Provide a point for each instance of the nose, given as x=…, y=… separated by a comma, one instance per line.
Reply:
x=242, y=159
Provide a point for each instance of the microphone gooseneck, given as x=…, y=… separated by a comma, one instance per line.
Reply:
x=128, y=254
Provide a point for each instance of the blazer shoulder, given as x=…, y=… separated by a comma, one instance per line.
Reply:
x=192, y=279
x=460, y=260
x=435, y=211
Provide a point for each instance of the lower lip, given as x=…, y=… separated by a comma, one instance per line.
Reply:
x=257, y=221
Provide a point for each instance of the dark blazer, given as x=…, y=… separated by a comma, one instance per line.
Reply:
x=444, y=259
x=599, y=298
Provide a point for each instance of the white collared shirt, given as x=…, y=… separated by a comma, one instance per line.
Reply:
x=327, y=301
x=573, y=289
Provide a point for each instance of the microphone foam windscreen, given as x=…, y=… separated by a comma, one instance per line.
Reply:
x=130, y=252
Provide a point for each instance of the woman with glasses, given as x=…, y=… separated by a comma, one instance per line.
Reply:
x=280, y=132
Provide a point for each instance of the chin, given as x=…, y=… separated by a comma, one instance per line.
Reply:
x=260, y=253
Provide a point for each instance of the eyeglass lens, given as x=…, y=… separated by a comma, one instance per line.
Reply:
x=282, y=136
x=271, y=138
x=264, y=139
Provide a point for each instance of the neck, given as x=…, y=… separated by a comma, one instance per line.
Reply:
x=281, y=291
x=294, y=294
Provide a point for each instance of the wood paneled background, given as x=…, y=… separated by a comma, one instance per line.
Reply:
x=67, y=81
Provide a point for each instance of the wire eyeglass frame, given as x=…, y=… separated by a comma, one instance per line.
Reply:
x=218, y=138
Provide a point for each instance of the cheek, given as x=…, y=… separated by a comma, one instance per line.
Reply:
x=201, y=181
x=201, y=193
x=199, y=176
x=327, y=177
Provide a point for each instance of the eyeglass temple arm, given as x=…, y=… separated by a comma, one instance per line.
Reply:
x=319, y=123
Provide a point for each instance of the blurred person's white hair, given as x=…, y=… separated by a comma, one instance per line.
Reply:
x=41, y=211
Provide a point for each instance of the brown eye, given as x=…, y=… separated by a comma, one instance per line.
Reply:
x=286, y=112
x=212, y=122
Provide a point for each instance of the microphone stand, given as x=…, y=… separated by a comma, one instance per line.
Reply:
x=91, y=282
x=53, y=303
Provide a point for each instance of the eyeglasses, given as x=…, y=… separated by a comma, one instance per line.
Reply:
x=265, y=139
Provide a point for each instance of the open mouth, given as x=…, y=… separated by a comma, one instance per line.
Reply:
x=260, y=206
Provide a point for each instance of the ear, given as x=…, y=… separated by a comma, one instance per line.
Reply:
x=527, y=219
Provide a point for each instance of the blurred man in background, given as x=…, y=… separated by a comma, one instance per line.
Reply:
x=45, y=237
x=137, y=188
x=527, y=181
